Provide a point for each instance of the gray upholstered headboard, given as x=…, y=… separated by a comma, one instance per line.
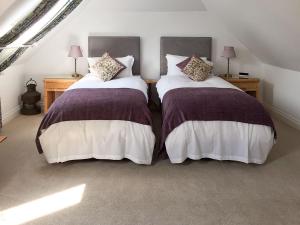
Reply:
x=185, y=46
x=117, y=47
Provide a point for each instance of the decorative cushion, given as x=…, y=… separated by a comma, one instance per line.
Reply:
x=173, y=60
x=195, y=68
x=127, y=61
x=107, y=67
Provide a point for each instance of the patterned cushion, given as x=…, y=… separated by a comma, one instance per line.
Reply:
x=195, y=68
x=107, y=67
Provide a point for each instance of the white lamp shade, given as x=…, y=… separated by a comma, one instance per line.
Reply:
x=75, y=51
x=229, y=52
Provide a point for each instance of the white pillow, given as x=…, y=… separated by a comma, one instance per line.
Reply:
x=207, y=61
x=173, y=60
x=126, y=61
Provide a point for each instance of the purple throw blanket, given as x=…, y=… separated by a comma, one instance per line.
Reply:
x=210, y=104
x=97, y=104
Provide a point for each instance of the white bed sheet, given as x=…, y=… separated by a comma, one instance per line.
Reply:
x=100, y=139
x=91, y=81
x=167, y=83
x=220, y=140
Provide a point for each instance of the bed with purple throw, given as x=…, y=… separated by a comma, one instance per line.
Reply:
x=211, y=104
x=101, y=119
x=213, y=121
x=210, y=118
x=97, y=104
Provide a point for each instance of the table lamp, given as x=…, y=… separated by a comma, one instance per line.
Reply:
x=228, y=53
x=75, y=52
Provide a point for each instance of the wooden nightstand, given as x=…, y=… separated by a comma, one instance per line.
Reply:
x=250, y=85
x=54, y=86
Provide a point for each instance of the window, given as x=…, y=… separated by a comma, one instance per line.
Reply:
x=12, y=51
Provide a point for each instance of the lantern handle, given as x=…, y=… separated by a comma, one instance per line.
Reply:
x=31, y=80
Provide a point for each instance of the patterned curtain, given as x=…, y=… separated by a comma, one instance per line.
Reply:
x=30, y=20
x=26, y=23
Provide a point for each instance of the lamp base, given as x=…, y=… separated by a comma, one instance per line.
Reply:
x=76, y=75
x=227, y=75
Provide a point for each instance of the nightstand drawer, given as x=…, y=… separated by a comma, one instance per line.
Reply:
x=59, y=85
x=250, y=85
x=246, y=86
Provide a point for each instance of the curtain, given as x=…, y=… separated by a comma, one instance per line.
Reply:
x=23, y=25
x=38, y=13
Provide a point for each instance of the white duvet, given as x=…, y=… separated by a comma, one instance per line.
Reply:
x=221, y=140
x=100, y=139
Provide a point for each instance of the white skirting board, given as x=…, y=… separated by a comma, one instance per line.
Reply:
x=283, y=116
x=11, y=114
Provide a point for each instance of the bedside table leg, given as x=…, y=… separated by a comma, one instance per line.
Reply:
x=48, y=100
x=45, y=101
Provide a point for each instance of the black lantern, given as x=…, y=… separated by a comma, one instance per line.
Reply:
x=30, y=99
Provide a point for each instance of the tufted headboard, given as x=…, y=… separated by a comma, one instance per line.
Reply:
x=184, y=46
x=117, y=46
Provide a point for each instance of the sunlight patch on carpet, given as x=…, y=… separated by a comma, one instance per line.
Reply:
x=42, y=207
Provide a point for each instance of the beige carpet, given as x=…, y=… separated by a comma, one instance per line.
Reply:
x=115, y=193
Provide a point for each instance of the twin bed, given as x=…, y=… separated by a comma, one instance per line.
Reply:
x=111, y=120
x=102, y=120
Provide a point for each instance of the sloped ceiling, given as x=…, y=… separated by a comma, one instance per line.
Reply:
x=127, y=5
x=4, y=5
x=152, y=5
x=268, y=28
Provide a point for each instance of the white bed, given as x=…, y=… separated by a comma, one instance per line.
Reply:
x=220, y=140
x=100, y=139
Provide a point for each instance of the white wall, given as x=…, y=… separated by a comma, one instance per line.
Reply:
x=4, y=5
x=50, y=58
x=281, y=93
x=269, y=28
x=11, y=88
